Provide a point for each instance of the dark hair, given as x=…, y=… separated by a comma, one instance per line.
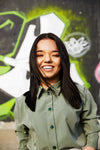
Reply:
x=68, y=87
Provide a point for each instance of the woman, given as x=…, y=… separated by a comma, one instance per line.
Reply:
x=55, y=113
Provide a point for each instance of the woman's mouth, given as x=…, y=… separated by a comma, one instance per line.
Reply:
x=47, y=68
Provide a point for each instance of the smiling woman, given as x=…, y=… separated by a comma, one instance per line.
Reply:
x=61, y=113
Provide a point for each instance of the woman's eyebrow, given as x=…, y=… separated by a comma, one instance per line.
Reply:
x=39, y=51
x=55, y=51
x=51, y=51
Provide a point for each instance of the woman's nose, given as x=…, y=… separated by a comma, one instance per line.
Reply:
x=47, y=58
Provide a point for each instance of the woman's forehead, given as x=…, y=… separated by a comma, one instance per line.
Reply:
x=47, y=44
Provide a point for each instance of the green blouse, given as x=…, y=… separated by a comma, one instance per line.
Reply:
x=56, y=124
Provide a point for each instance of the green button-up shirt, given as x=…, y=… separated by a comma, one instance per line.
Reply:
x=56, y=124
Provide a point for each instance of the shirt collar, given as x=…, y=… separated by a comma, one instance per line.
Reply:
x=54, y=89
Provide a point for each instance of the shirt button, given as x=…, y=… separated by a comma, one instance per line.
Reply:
x=54, y=147
x=48, y=93
x=51, y=126
x=49, y=108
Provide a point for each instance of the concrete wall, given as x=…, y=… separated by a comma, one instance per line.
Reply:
x=76, y=22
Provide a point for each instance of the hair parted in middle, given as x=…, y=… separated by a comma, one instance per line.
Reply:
x=68, y=87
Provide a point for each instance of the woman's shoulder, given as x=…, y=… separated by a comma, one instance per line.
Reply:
x=85, y=94
x=82, y=91
x=80, y=87
x=21, y=98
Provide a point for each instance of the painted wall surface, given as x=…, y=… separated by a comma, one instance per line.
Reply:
x=76, y=22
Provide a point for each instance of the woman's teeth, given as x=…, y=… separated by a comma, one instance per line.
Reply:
x=47, y=67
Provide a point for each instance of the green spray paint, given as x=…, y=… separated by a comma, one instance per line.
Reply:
x=6, y=23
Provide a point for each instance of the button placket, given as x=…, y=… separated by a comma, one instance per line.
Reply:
x=49, y=106
x=51, y=124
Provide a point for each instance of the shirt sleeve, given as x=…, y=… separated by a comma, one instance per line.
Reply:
x=89, y=119
x=21, y=131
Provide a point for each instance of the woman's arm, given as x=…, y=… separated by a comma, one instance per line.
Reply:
x=22, y=134
x=89, y=121
x=21, y=131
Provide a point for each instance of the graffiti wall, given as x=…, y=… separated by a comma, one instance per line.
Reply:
x=75, y=22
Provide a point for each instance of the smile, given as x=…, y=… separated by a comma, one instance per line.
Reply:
x=48, y=67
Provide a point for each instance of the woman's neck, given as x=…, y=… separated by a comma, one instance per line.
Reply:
x=43, y=84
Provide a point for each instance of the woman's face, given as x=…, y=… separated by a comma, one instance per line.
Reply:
x=48, y=60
